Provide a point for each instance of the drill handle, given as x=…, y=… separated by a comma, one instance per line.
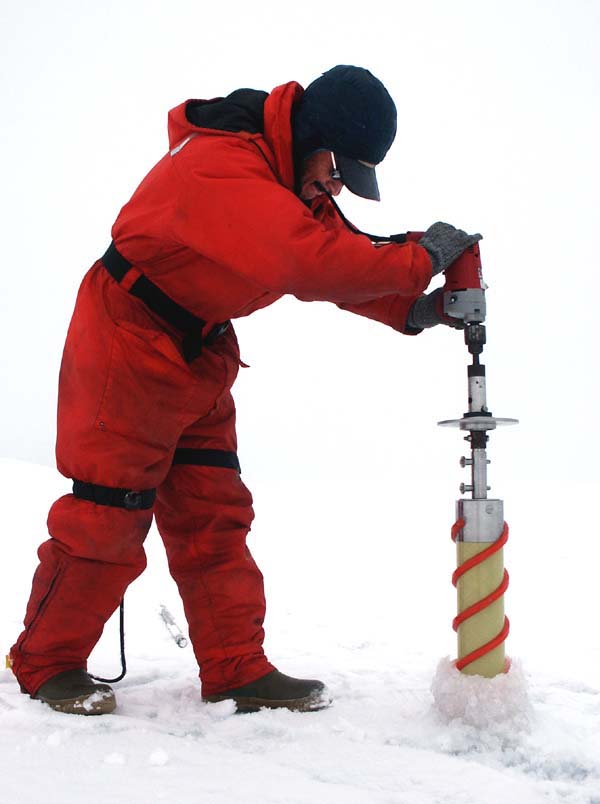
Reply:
x=465, y=272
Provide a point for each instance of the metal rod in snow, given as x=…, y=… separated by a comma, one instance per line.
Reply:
x=172, y=627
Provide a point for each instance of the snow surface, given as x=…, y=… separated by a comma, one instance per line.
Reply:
x=532, y=736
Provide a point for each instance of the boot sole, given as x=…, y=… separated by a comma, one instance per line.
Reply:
x=94, y=704
x=244, y=705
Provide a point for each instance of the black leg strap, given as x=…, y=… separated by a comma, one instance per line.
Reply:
x=207, y=457
x=119, y=498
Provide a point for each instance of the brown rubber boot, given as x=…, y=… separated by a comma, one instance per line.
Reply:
x=76, y=693
x=277, y=691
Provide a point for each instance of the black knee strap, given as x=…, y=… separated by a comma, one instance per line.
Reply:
x=141, y=500
x=119, y=498
x=207, y=457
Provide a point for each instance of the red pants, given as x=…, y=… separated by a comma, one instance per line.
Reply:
x=127, y=401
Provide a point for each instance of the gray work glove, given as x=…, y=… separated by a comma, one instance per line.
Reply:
x=428, y=311
x=445, y=244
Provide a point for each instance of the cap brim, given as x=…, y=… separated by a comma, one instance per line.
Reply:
x=358, y=177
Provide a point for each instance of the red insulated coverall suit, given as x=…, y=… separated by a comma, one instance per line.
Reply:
x=217, y=226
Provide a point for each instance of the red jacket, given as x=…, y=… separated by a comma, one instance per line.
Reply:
x=217, y=226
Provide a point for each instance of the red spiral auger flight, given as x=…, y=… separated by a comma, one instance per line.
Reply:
x=484, y=602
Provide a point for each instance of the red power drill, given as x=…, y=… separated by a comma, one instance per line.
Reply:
x=464, y=289
x=463, y=296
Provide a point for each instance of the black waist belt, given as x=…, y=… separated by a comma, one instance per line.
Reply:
x=156, y=300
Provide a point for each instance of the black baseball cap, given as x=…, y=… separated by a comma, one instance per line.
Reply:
x=348, y=111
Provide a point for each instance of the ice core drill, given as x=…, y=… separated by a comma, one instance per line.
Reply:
x=480, y=531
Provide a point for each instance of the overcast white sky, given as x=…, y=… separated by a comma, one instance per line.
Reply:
x=498, y=132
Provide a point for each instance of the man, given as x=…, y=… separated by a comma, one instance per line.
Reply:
x=235, y=215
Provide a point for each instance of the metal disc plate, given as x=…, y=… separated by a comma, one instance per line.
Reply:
x=477, y=422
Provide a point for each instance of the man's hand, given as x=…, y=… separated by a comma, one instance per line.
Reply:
x=428, y=311
x=445, y=244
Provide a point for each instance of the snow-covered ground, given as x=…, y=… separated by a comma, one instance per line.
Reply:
x=369, y=616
